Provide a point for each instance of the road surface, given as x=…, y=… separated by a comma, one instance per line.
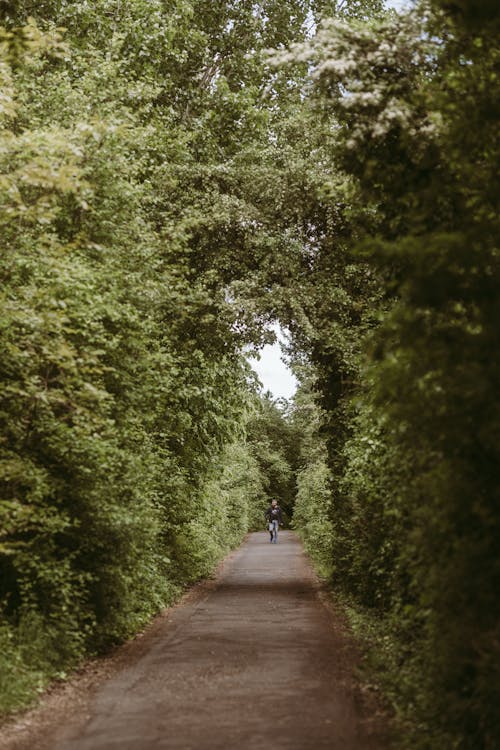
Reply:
x=255, y=662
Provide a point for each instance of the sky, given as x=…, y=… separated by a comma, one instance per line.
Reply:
x=274, y=375
x=397, y=4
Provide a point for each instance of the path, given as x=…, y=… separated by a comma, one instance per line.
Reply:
x=255, y=663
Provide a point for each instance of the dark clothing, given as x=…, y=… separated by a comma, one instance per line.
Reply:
x=274, y=514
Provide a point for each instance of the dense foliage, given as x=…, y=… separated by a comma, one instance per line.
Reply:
x=403, y=343
x=125, y=470
x=174, y=177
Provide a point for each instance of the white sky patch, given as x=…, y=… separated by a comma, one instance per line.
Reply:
x=273, y=373
x=399, y=4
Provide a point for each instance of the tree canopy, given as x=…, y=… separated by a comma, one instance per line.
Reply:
x=175, y=177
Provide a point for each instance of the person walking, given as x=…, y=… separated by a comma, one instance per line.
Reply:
x=274, y=519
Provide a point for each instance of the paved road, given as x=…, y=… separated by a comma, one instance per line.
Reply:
x=254, y=663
